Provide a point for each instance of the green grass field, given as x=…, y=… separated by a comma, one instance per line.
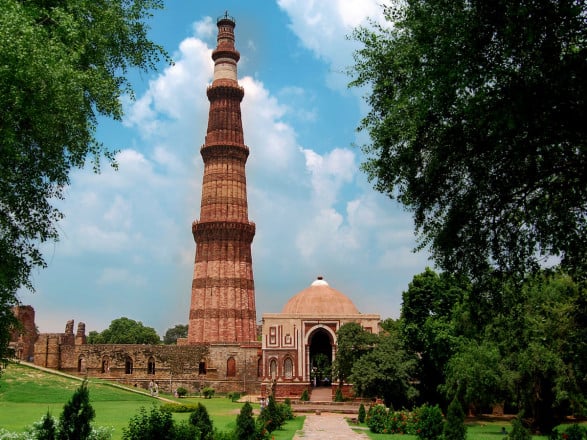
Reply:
x=27, y=393
x=476, y=430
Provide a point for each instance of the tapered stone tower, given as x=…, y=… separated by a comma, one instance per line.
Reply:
x=223, y=292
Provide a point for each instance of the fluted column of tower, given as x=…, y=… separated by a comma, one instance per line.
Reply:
x=223, y=293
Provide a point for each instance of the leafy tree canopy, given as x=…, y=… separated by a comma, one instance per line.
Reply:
x=172, y=334
x=529, y=352
x=477, y=125
x=125, y=331
x=64, y=63
x=386, y=371
x=428, y=328
x=353, y=341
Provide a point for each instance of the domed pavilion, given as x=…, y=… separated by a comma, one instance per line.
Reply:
x=300, y=340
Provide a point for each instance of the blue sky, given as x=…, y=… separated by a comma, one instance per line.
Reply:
x=126, y=247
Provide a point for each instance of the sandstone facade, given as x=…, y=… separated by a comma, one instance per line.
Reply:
x=304, y=329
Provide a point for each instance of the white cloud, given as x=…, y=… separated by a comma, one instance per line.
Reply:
x=119, y=213
x=329, y=173
x=271, y=140
x=323, y=27
x=178, y=93
x=205, y=28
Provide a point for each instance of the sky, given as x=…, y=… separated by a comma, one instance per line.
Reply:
x=126, y=247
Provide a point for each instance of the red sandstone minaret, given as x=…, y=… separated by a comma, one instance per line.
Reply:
x=223, y=292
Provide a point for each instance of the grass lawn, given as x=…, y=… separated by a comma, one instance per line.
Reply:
x=476, y=430
x=27, y=393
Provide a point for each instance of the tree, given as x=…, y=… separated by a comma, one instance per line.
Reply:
x=427, y=327
x=156, y=425
x=172, y=334
x=535, y=337
x=201, y=420
x=246, y=429
x=271, y=417
x=387, y=371
x=8, y=323
x=477, y=125
x=74, y=421
x=125, y=331
x=353, y=341
x=430, y=424
x=47, y=429
x=477, y=374
x=526, y=352
x=362, y=414
x=63, y=65
x=454, y=426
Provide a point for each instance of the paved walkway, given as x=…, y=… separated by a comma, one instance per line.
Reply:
x=327, y=426
x=321, y=394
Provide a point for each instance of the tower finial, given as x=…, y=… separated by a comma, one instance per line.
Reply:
x=225, y=17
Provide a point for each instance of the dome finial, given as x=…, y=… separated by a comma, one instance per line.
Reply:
x=319, y=281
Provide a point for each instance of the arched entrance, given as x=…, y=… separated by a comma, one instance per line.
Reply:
x=320, y=342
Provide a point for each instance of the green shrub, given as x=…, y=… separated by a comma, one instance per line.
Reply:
x=223, y=435
x=305, y=396
x=46, y=430
x=201, y=420
x=519, y=432
x=377, y=421
x=454, y=427
x=286, y=411
x=185, y=431
x=102, y=433
x=234, y=397
x=287, y=401
x=338, y=397
x=182, y=392
x=574, y=432
x=246, y=429
x=208, y=392
x=272, y=416
x=430, y=422
x=570, y=432
x=401, y=422
x=178, y=407
x=362, y=413
x=158, y=424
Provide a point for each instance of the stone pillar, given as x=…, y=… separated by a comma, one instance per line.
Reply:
x=80, y=336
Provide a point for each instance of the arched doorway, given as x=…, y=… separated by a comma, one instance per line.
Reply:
x=230, y=367
x=320, y=357
x=81, y=364
x=105, y=364
x=151, y=365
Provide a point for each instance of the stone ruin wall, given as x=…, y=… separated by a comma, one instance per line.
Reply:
x=190, y=366
x=22, y=340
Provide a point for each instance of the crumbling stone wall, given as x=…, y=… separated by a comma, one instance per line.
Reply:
x=22, y=340
x=191, y=366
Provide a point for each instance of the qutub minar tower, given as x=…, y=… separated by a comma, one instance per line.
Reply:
x=223, y=292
